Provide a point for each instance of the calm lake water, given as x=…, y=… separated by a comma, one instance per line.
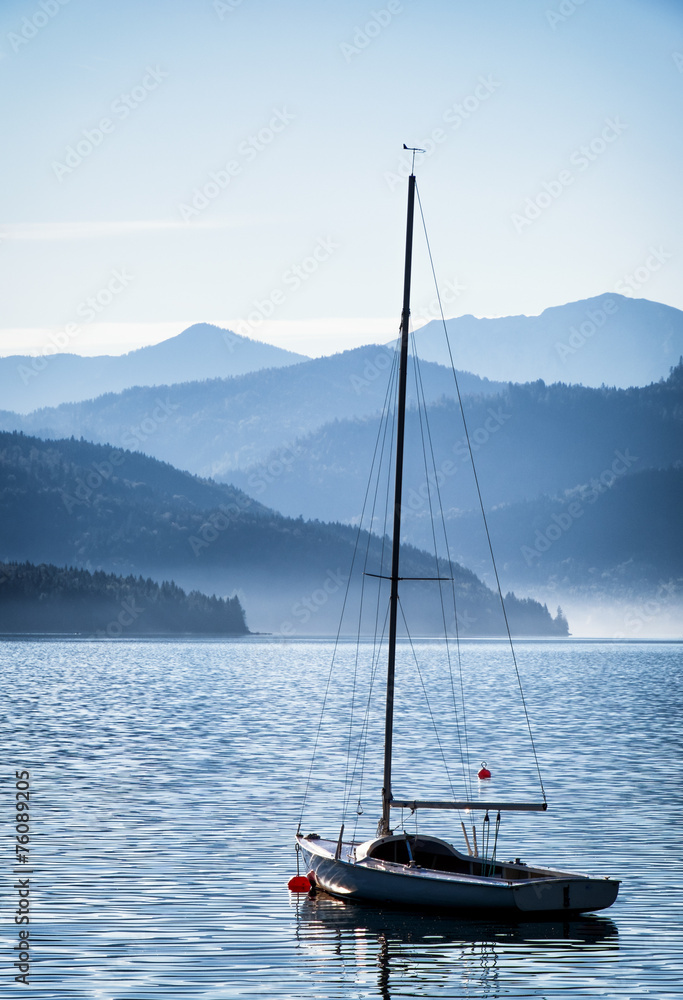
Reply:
x=166, y=782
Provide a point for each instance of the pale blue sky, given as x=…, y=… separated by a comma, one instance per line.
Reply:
x=333, y=90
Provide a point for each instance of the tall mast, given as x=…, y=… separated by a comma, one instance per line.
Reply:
x=385, y=824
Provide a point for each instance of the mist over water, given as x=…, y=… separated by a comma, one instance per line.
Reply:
x=654, y=613
x=166, y=783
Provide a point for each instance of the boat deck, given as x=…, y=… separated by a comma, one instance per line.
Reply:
x=395, y=853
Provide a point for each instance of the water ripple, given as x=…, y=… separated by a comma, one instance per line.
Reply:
x=165, y=788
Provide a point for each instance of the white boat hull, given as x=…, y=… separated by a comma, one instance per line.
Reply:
x=528, y=891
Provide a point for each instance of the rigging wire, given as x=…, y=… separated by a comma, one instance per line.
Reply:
x=359, y=765
x=481, y=502
x=341, y=620
x=423, y=416
x=426, y=697
x=377, y=645
x=385, y=422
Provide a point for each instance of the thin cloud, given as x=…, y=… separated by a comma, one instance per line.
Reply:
x=105, y=230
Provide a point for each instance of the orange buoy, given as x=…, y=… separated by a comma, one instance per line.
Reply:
x=484, y=772
x=299, y=884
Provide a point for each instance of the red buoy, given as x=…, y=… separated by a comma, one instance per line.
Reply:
x=484, y=772
x=299, y=884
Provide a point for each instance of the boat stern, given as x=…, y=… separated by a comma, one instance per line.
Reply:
x=574, y=895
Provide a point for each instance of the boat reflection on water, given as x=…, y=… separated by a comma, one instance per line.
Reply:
x=396, y=948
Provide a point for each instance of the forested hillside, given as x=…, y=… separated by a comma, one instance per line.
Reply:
x=74, y=503
x=52, y=599
x=529, y=442
x=618, y=535
x=214, y=427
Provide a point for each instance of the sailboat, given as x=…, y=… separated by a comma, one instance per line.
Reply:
x=418, y=870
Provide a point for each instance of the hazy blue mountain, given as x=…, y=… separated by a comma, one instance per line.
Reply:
x=216, y=426
x=619, y=535
x=73, y=503
x=528, y=441
x=610, y=339
x=202, y=351
x=538, y=449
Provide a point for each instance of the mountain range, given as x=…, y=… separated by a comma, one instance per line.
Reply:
x=581, y=484
x=74, y=503
x=529, y=441
x=610, y=339
x=202, y=351
x=213, y=427
x=300, y=440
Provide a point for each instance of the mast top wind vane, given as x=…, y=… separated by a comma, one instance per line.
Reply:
x=413, y=150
